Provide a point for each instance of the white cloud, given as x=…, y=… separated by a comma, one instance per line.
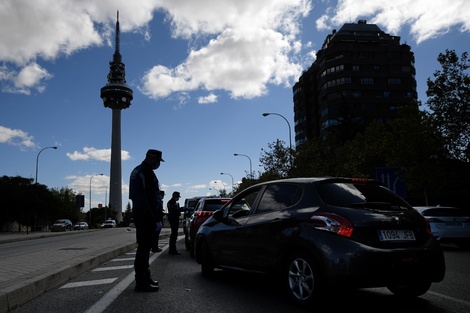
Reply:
x=211, y=98
x=30, y=76
x=244, y=50
x=95, y=154
x=261, y=31
x=16, y=137
x=427, y=19
x=81, y=184
x=250, y=47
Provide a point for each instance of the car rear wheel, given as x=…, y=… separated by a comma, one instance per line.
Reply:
x=302, y=278
x=414, y=289
x=207, y=264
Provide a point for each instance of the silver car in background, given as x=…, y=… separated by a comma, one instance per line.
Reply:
x=448, y=224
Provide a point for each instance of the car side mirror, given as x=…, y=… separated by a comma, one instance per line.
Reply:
x=218, y=215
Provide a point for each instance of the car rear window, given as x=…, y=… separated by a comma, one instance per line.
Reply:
x=214, y=205
x=350, y=194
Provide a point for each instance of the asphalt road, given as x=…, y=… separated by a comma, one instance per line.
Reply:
x=183, y=289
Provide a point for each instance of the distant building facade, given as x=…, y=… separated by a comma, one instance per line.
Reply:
x=361, y=75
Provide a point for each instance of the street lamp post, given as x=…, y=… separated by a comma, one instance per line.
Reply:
x=230, y=176
x=214, y=190
x=290, y=138
x=215, y=181
x=90, y=195
x=105, y=201
x=37, y=161
x=251, y=172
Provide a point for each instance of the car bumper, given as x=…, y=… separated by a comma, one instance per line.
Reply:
x=363, y=266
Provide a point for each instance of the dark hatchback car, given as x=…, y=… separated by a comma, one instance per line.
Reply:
x=321, y=233
x=203, y=210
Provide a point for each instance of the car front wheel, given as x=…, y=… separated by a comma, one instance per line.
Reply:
x=207, y=264
x=302, y=278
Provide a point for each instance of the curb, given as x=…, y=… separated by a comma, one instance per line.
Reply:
x=18, y=294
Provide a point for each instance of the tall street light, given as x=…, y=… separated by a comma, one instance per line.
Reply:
x=288, y=124
x=230, y=176
x=90, y=194
x=37, y=161
x=290, y=138
x=251, y=172
x=105, y=201
x=216, y=181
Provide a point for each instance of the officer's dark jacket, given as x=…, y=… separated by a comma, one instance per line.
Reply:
x=144, y=192
x=173, y=210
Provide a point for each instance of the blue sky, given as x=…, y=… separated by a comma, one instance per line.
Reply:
x=202, y=72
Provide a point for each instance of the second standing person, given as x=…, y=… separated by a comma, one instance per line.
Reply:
x=173, y=216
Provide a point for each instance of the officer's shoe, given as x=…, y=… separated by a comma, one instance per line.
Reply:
x=146, y=288
x=157, y=249
x=152, y=282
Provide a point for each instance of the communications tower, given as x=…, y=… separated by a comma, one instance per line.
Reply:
x=116, y=95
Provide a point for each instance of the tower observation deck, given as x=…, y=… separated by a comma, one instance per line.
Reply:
x=116, y=95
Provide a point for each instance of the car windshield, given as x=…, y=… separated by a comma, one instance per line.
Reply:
x=362, y=195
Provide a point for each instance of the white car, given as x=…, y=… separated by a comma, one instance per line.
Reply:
x=448, y=224
x=109, y=224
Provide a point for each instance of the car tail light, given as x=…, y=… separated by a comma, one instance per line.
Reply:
x=333, y=223
x=204, y=213
x=428, y=226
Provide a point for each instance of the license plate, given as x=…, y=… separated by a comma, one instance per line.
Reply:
x=396, y=235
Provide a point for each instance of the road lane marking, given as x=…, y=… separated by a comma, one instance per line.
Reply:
x=449, y=298
x=89, y=283
x=112, y=268
x=111, y=295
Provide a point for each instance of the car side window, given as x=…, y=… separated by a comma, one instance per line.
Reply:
x=277, y=197
x=243, y=205
x=198, y=206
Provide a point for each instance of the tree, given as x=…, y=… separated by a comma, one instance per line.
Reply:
x=314, y=158
x=34, y=205
x=277, y=161
x=449, y=99
x=127, y=216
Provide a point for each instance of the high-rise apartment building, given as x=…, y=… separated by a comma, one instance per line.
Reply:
x=361, y=75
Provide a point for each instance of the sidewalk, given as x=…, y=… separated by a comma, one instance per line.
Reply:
x=25, y=277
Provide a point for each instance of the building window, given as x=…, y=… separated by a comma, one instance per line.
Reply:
x=394, y=81
x=367, y=80
x=338, y=81
x=408, y=94
x=356, y=68
x=333, y=69
x=387, y=94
